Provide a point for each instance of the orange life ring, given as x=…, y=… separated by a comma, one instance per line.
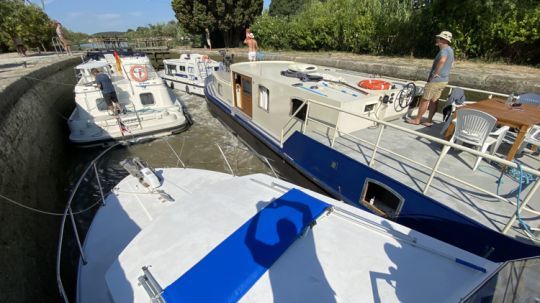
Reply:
x=139, y=73
x=375, y=84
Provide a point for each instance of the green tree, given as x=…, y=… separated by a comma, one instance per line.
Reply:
x=228, y=18
x=285, y=7
x=27, y=21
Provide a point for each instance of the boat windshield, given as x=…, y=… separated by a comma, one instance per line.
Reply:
x=515, y=281
x=136, y=72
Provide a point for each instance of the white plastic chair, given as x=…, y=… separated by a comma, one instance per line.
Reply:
x=475, y=127
x=532, y=136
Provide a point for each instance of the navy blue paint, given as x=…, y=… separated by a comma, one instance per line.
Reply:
x=469, y=264
x=235, y=265
x=181, y=75
x=419, y=212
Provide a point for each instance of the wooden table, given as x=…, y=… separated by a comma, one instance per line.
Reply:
x=521, y=118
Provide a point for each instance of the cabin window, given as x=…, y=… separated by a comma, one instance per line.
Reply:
x=182, y=68
x=295, y=105
x=171, y=69
x=147, y=99
x=101, y=104
x=191, y=70
x=263, y=97
x=381, y=199
x=219, y=89
x=246, y=87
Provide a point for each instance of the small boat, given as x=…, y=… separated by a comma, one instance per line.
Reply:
x=188, y=72
x=150, y=109
x=331, y=127
x=192, y=235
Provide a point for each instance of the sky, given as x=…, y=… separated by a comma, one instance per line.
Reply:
x=93, y=16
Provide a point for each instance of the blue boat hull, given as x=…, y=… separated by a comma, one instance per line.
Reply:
x=322, y=168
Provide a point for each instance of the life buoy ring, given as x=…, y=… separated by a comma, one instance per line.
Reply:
x=374, y=84
x=205, y=58
x=139, y=73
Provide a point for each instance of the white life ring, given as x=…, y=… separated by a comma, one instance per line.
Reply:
x=303, y=68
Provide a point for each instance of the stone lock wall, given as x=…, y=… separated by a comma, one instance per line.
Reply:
x=33, y=149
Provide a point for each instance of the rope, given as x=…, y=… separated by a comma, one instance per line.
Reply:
x=48, y=212
x=521, y=178
x=52, y=82
x=522, y=223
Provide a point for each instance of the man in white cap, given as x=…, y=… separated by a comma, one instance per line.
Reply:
x=252, y=47
x=437, y=80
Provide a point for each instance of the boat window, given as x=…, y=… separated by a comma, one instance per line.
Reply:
x=219, y=89
x=147, y=99
x=295, y=105
x=246, y=87
x=171, y=69
x=381, y=199
x=182, y=68
x=263, y=97
x=191, y=70
x=101, y=104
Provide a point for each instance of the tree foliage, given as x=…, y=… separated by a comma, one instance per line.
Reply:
x=285, y=7
x=226, y=19
x=486, y=29
x=26, y=21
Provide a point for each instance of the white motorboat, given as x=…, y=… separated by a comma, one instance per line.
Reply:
x=150, y=109
x=188, y=72
x=190, y=235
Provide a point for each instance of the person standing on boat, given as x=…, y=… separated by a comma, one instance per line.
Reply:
x=208, y=42
x=107, y=89
x=252, y=47
x=437, y=80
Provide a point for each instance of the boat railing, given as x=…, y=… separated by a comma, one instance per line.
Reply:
x=68, y=212
x=288, y=128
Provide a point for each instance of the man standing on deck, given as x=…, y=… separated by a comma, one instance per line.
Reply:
x=107, y=89
x=437, y=80
x=252, y=47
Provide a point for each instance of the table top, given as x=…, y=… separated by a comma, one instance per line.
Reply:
x=526, y=114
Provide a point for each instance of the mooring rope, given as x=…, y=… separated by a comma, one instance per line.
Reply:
x=47, y=212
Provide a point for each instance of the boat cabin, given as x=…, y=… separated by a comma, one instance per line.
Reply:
x=272, y=94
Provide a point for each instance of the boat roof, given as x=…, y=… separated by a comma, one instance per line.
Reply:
x=92, y=64
x=190, y=58
x=338, y=85
x=349, y=255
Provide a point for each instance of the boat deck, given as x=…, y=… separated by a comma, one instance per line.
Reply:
x=486, y=209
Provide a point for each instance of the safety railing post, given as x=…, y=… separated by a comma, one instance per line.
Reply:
x=444, y=151
x=304, y=125
x=376, y=147
x=336, y=131
x=521, y=206
x=79, y=244
x=99, y=185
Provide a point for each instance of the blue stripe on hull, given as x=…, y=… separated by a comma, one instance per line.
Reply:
x=419, y=212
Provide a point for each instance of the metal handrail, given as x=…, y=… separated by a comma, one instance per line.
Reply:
x=434, y=170
x=68, y=211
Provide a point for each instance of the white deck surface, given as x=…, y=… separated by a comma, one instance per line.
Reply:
x=479, y=206
x=343, y=259
x=125, y=215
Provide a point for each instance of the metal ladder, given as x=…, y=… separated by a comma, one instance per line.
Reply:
x=58, y=46
x=202, y=69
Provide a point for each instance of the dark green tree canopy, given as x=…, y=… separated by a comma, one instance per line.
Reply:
x=285, y=7
x=224, y=18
